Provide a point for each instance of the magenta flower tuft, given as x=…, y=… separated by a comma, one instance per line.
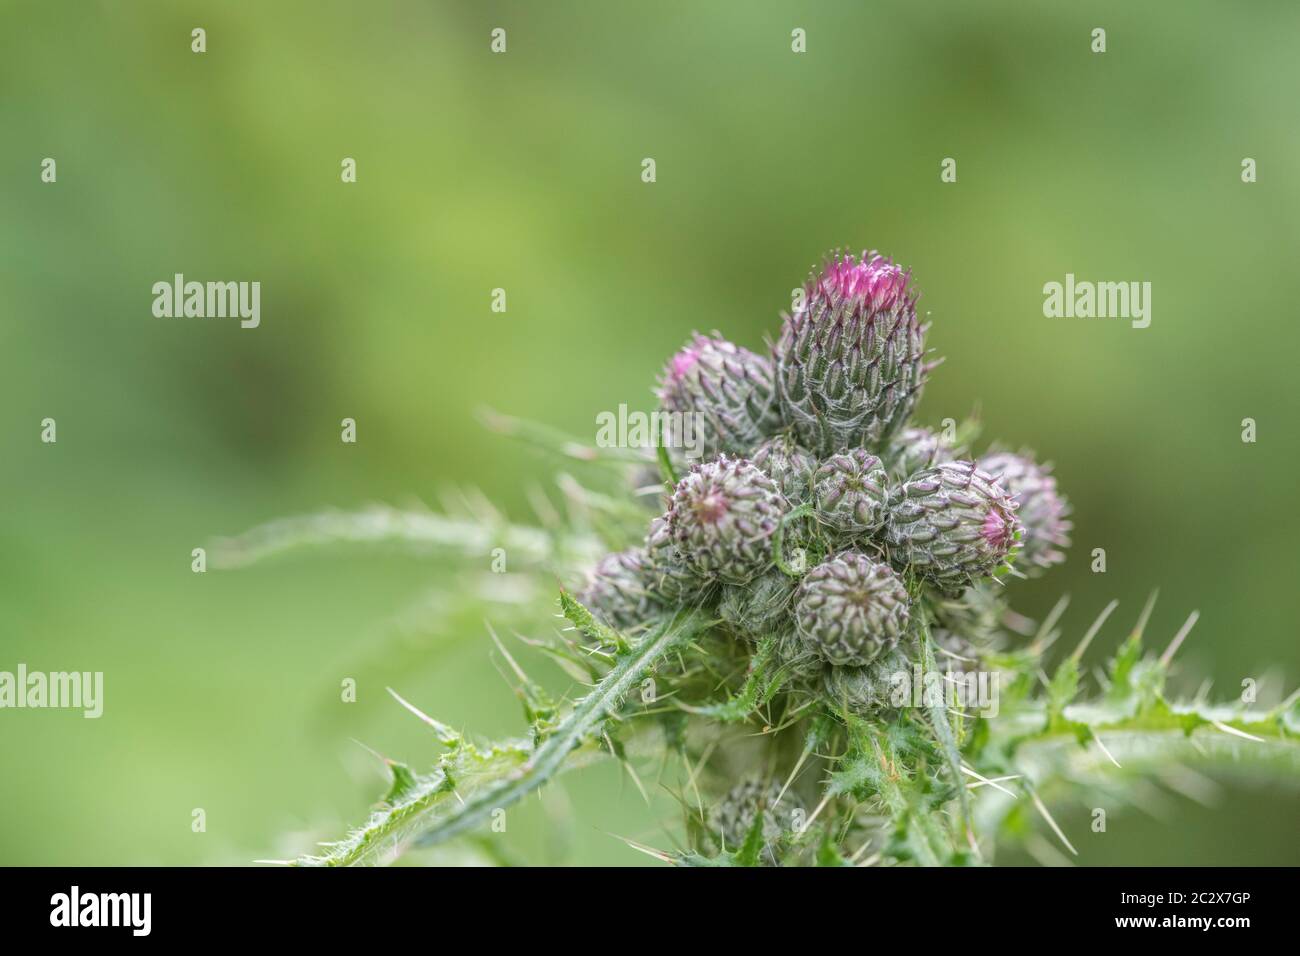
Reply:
x=999, y=530
x=876, y=279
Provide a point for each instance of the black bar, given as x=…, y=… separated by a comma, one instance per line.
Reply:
x=1006, y=904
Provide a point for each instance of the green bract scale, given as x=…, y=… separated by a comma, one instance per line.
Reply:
x=760, y=607
x=665, y=571
x=729, y=392
x=916, y=449
x=977, y=613
x=789, y=465
x=953, y=524
x=722, y=518
x=850, y=492
x=1040, y=507
x=872, y=689
x=738, y=810
x=850, y=609
x=616, y=591
x=795, y=658
x=850, y=363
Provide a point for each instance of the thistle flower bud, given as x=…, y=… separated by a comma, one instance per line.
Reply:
x=789, y=465
x=850, y=361
x=850, y=609
x=729, y=388
x=870, y=690
x=665, y=572
x=916, y=449
x=850, y=493
x=953, y=524
x=734, y=815
x=616, y=591
x=1040, y=507
x=722, y=519
x=761, y=607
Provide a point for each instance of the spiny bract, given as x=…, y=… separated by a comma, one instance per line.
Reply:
x=788, y=464
x=915, y=449
x=760, y=607
x=666, y=572
x=729, y=389
x=736, y=814
x=871, y=689
x=851, y=493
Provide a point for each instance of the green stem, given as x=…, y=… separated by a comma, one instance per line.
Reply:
x=421, y=811
x=942, y=729
x=581, y=722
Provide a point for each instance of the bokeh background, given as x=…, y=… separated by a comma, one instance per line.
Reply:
x=522, y=171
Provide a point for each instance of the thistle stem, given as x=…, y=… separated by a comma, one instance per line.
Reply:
x=423, y=812
x=583, y=721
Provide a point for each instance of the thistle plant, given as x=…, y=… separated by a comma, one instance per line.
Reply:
x=822, y=605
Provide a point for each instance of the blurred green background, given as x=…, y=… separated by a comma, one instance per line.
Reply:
x=522, y=171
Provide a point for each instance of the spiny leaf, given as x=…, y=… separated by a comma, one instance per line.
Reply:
x=750, y=852
x=498, y=778
x=587, y=624
x=1062, y=690
x=828, y=854
x=666, y=469
x=553, y=440
x=403, y=782
x=1121, y=668
x=446, y=736
x=582, y=722
x=421, y=531
x=760, y=684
